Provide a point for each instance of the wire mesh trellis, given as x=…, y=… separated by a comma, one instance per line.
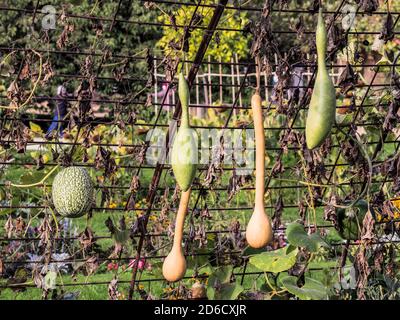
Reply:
x=219, y=86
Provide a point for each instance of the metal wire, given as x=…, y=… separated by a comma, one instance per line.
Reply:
x=159, y=169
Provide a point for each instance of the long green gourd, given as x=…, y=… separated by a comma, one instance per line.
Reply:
x=321, y=114
x=184, y=165
x=184, y=149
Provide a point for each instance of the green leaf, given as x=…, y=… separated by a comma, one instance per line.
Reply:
x=35, y=128
x=297, y=236
x=350, y=219
x=30, y=177
x=198, y=260
x=249, y=251
x=210, y=293
x=275, y=261
x=223, y=275
x=230, y=291
x=312, y=289
x=219, y=285
x=121, y=236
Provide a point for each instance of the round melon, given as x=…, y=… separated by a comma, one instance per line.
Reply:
x=72, y=192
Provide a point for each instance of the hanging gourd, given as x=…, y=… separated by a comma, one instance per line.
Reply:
x=184, y=150
x=174, y=266
x=259, y=230
x=321, y=113
x=184, y=165
x=72, y=192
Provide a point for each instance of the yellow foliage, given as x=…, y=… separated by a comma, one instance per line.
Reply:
x=35, y=128
x=230, y=42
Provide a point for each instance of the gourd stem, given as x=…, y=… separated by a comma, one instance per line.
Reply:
x=180, y=219
x=321, y=40
x=41, y=182
x=260, y=146
x=258, y=74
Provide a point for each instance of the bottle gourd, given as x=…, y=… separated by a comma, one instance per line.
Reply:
x=321, y=114
x=184, y=165
x=184, y=149
x=259, y=230
x=174, y=266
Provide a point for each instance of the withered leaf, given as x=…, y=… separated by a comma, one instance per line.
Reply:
x=217, y=38
x=113, y=293
x=205, y=212
x=175, y=45
x=369, y=6
x=172, y=20
x=347, y=78
x=38, y=279
x=130, y=205
x=151, y=80
x=135, y=184
x=277, y=168
x=91, y=265
x=39, y=162
x=315, y=6
x=392, y=117
x=330, y=210
x=367, y=233
x=45, y=231
x=197, y=19
x=62, y=40
x=54, y=154
x=48, y=72
x=87, y=239
x=103, y=160
x=122, y=223
x=149, y=5
x=234, y=185
x=20, y=225
x=185, y=39
x=282, y=4
x=110, y=225
x=25, y=71
x=13, y=90
x=387, y=32
x=337, y=40
x=138, y=227
x=9, y=227
x=299, y=27
x=276, y=218
x=117, y=250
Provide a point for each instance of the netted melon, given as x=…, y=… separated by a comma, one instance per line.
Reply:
x=72, y=192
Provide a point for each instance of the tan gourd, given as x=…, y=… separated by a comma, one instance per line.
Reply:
x=174, y=267
x=259, y=230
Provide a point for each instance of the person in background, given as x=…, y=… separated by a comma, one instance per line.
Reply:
x=160, y=95
x=60, y=112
